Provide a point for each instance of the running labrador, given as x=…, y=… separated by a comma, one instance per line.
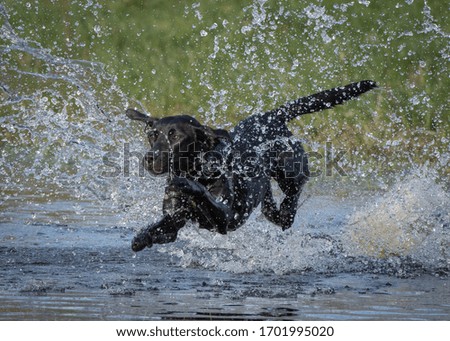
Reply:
x=217, y=178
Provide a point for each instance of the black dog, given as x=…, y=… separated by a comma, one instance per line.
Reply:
x=216, y=178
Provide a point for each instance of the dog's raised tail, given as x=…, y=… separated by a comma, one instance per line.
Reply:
x=325, y=99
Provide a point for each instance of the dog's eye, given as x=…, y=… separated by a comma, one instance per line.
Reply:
x=152, y=135
x=173, y=135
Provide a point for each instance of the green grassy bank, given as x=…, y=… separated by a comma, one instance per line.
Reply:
x=222, y=60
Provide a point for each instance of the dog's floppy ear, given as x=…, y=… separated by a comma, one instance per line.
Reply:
x=138, y=116
x=209, y=137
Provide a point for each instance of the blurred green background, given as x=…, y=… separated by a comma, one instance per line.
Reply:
x=222, y=60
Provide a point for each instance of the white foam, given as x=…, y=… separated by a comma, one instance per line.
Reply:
x=259, y=245
x=409, y=220
x=330, y=234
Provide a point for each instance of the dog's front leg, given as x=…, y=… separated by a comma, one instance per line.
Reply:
x=175, y=210
x=209, y=212
x=164, y=231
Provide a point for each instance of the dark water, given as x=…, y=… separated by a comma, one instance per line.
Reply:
x=77, y=270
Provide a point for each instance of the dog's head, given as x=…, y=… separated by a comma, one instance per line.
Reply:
x=176, y=142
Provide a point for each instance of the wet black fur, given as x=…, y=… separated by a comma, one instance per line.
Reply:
x=217, y=178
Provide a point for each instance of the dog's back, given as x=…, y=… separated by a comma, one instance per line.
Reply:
x=259, y=128
x=269, y=151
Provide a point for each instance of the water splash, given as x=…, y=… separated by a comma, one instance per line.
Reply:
x=411, y=219
x=403, y=232
x=60, y=118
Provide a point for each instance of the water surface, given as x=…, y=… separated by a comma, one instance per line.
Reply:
x=81, y=271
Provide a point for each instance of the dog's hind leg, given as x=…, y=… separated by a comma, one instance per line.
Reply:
x=269, y=208
x=291, y=173
x=288, y=207
x=285, y=215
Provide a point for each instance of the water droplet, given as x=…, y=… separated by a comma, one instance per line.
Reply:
x=97, y=29
x=364, y=2
x=246, y=29
x=314, y=12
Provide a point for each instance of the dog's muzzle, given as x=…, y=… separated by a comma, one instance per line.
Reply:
x=156, y=162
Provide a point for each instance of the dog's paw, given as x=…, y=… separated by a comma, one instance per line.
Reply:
x=141, y=241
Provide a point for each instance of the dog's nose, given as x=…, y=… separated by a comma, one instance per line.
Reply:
x=148, y=160
x=150, y=156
